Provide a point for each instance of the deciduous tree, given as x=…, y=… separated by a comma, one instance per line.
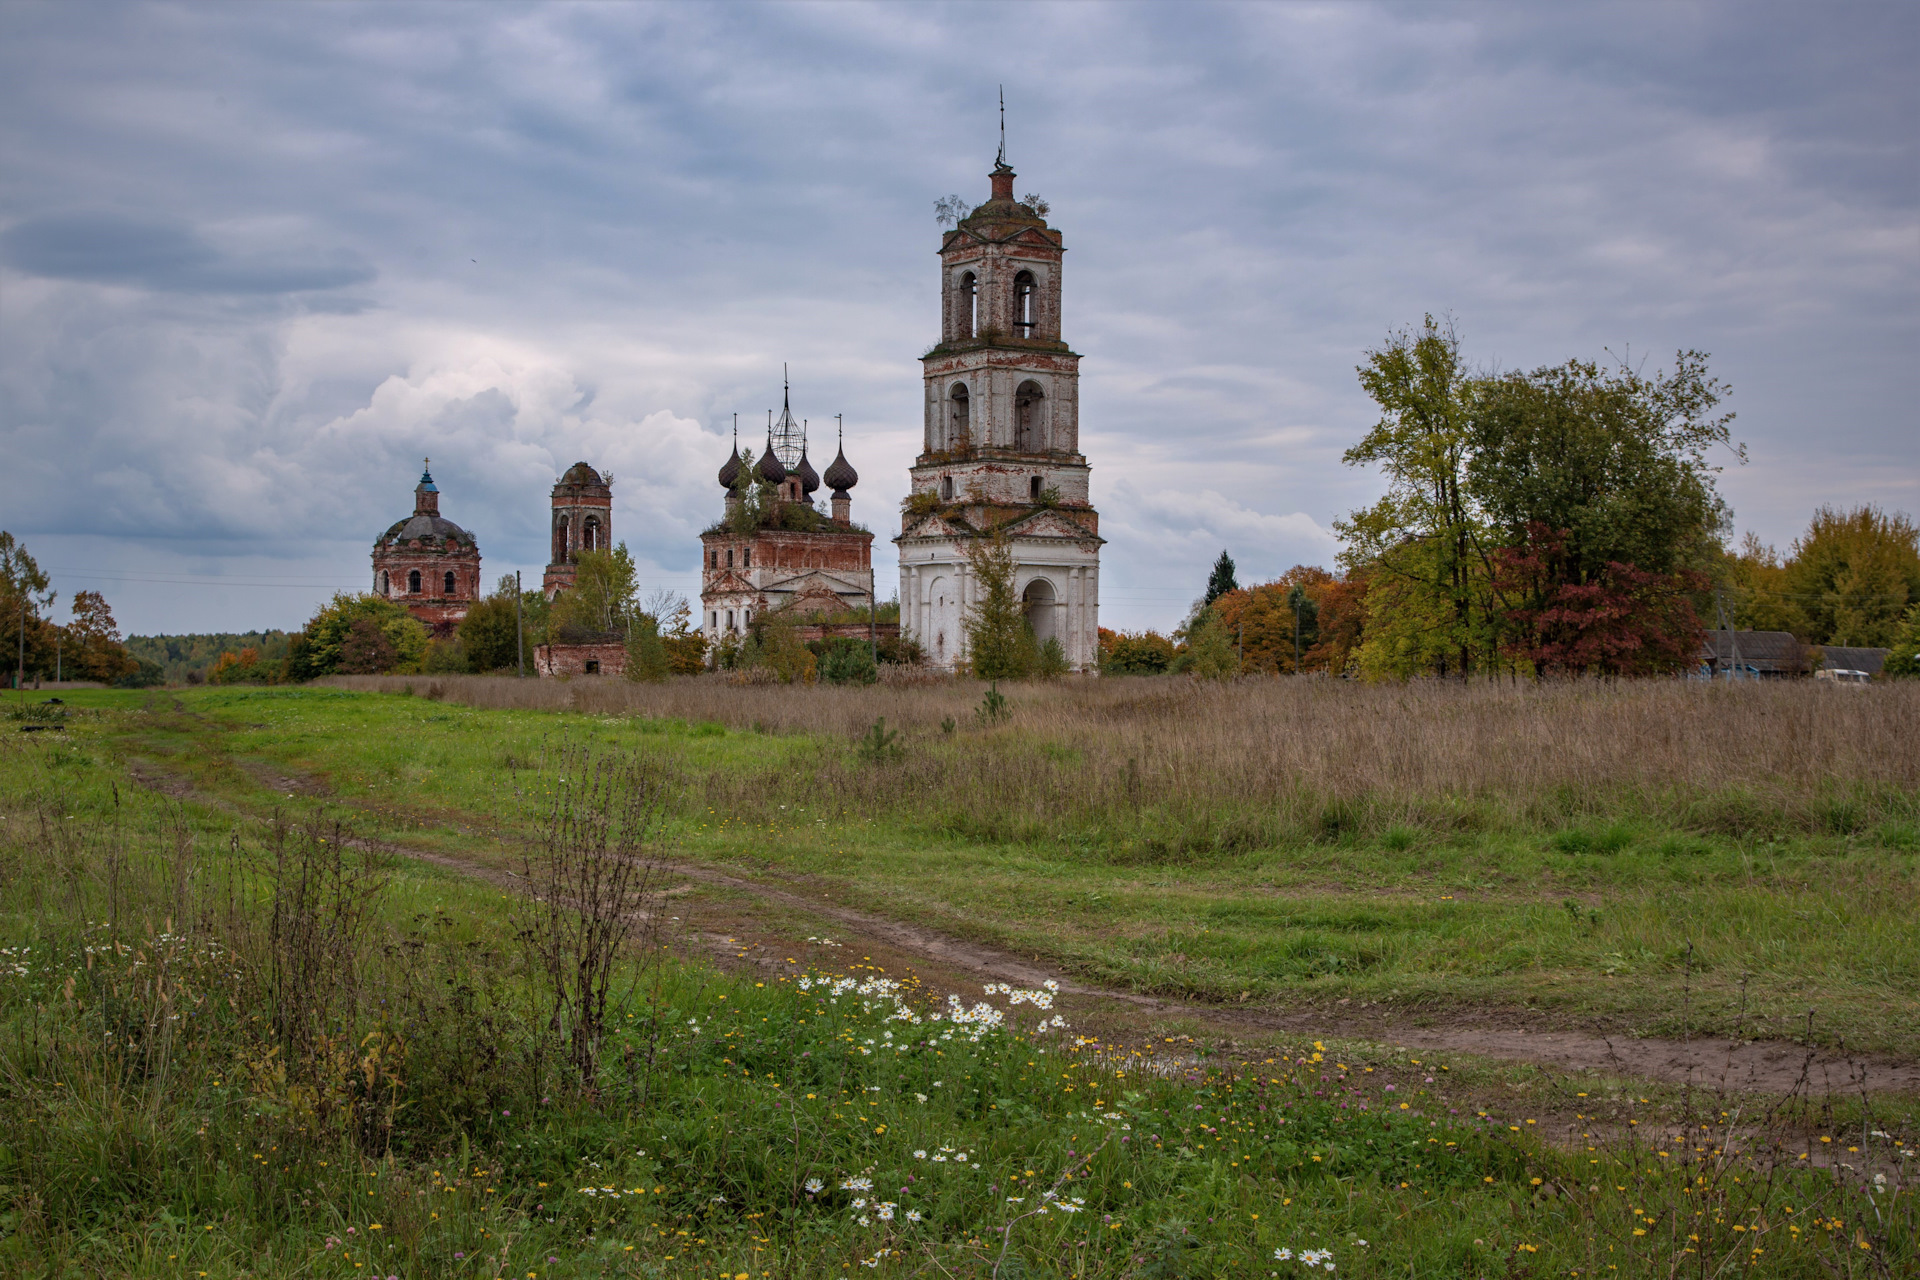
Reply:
x=1621, y=620
x=1617, y=462
x=1757, y=595
x=1135, y=653
x=93, y=650
x=601, y=600
x=24, y=593
x=1855, y=574
x=321, y=649
x=1422, y=539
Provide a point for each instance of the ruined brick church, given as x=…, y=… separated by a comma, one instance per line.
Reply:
x=771, y=549
x=431, y=566
x=428, y=563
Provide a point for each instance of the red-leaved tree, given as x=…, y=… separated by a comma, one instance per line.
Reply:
x=1621, y=621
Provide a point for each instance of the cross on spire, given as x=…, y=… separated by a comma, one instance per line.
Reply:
x=1000, y=161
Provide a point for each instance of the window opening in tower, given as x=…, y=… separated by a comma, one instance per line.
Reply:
x=1023, y=304
x=449, y=581
x=1026, y=417
x=413, y=582
x=962, y=418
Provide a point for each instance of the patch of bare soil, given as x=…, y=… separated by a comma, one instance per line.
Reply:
x=1769, y=1066
x=155, y=778
x=284, y=781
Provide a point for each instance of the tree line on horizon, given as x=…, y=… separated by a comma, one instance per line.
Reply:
x=1558, y=521
x=87, y=648
x=1563, y=520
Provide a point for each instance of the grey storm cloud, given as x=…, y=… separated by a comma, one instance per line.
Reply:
x=167, y=255
x=257, y=261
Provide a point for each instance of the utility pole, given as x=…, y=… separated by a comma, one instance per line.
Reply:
x=20, y=675
x=1296, y=637
x=519, y=633
x=57, y=637
x=873, y=614
x=1733, y=640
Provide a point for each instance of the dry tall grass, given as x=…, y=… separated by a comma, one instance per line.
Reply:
x=1264, y=759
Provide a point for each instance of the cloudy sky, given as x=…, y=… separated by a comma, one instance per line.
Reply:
x=257, y=260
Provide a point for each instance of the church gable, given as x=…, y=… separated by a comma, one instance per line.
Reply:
x=933, y=526
x=1046, y=524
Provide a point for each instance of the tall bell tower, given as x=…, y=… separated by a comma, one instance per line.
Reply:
x=1001, y=449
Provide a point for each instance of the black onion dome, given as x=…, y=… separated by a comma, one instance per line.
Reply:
x=840, y=473
x=771, y=469
x=809, y=478
x=730, y=470
x=581, y=473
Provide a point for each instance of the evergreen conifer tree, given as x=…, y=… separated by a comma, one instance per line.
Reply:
x=999, y=643
x=1221, y=580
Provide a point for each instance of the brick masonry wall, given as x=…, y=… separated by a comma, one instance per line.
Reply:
x=565, y=661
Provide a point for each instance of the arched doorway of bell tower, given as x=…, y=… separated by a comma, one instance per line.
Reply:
x=1041, y=604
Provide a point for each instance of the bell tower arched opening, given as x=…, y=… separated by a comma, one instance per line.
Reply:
x=960, y=419
x=1024, y=305
x=1038, y=601
x=1028, y=402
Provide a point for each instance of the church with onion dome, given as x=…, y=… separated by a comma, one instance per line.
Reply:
x=773, y=549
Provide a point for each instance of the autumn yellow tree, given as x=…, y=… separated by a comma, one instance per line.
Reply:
x=1854, y=574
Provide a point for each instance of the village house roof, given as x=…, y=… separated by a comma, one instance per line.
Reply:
x=1764, y=651
x=1836, y=657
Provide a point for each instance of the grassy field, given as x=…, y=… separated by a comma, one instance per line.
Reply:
x=159, y=1118
x=1595, y=862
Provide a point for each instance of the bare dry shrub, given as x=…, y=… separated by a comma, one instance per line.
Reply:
x=592, y=888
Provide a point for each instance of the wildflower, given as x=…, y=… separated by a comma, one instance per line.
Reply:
x=884, y=1211
x=920, y=1154
x=913, y=1215
x=856, y=1184
x=813, y=1186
